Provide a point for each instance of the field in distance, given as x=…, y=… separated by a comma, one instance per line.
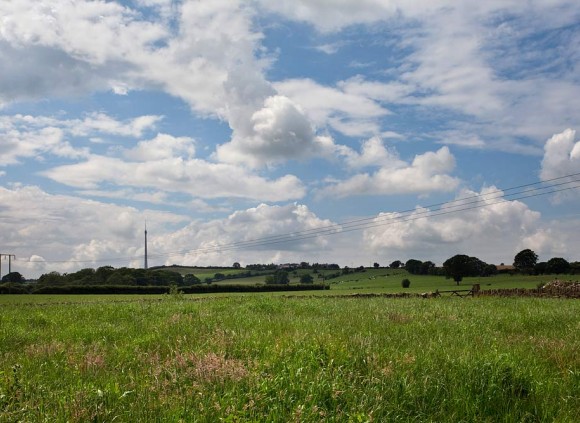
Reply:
x=381, y=280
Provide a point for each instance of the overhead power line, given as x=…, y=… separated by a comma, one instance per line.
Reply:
x=530, y=190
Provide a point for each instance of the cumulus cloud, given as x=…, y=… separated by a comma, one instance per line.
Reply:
x=488, y=228
x=40, y=229
x=195, y=177
x=280, y=131
x=428, y=172
x=163, y=146
x=257, y=230
x=373, y=153
x=349, y=112
x=19, y=143
x=470, y=61
x=561, y=156
x=65, y=233
x=49, y=49
x=27, y=136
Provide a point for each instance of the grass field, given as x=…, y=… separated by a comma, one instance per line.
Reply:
x=282, y=359
x=265, y=357
x=382, y=280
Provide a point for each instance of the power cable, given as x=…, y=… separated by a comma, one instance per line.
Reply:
x=444, y=208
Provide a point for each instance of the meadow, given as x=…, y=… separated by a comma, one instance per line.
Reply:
x=289, y=358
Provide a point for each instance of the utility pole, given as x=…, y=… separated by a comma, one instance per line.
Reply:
x=145, y=261
x=9, y=262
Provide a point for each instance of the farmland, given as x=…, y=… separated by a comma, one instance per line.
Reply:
x=277, y=357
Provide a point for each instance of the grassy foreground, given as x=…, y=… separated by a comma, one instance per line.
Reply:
x=292, y=359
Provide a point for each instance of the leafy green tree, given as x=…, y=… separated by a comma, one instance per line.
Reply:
x=413, y=266
x=461, y=265
x=557, y=265
x=190, y=279
x=280, y=277
x=525, y=260
x=541, y=268
x=396, y=264
x=306, y=278
x=427, y=267
x=489, y=270
x=13, y=277
x=82, y=277
x=376, y=265
x=457, y=267
x=237, y=265
x=103, y=273
x=51, y=279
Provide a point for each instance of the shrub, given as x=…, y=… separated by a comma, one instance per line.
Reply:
x=405, y=283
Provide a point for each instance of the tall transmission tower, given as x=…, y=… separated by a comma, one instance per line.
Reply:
x=145, y=264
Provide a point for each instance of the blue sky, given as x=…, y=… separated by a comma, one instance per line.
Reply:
x=223, y=122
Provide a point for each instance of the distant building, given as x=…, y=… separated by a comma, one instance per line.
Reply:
x=503, y=268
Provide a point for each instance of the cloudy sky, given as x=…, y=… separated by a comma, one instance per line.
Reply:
x=305, y=130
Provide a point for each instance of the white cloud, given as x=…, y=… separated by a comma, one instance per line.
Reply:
x=102, y=123
x=163, y=146
x=427, y=173
x=476, y=62
x=26, y=136
x=373, y=153
x=331, y=48
x=65, y=233
x=50, y=228
x=561, y=156
x=548, y=243
x=351, y=113
x=19, y=143
x=195, y=177
x=254, y=231
x=280, y=131
x=490, y=231
x=50, y=49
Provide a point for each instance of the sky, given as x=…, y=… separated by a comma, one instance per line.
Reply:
x=257, y=131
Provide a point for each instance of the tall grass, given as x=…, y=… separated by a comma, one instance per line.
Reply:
x=292, y=359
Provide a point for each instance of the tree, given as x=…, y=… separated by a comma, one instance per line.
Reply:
x=236, y=265
x=457, y=267
x=103, y=273
x=376, y=265
x=427, y=267
x=306, y=278
x=280, y=277
x=396, y=264
x=190, y=279
x=52, y=278
x=541, y=268
x=13, y=277
x=460, y=265
x=413, y=266
x=557, y=265
x=525, y=260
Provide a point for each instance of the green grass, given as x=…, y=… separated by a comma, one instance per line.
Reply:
x=203, y=272
x=389, y=281
x=266, y=358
